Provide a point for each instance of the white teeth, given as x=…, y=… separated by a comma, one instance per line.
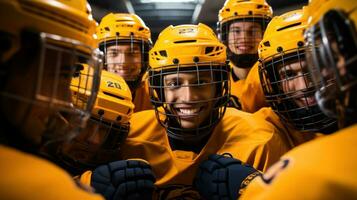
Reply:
x=189, y=111
x=243, y=48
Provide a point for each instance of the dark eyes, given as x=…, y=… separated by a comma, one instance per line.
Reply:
x=288, y=74
x=175, y=84
x=112, y=53
x=249, y=32
x=115, y=53
x=172, y=84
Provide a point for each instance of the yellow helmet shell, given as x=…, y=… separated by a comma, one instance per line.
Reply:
x=235, y=9
x=122, y=26
x=185, y=45
x=66, y=18
x=319, y=7
x=114, y=100
x=284, y=32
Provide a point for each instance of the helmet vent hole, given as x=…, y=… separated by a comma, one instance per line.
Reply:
x=129, y=110
x=107, y=28
x=228, y=9
x=279, y=49
x=163, y=53
x=118, y=118
x=267, y=44
x=113, y=95
x=208, y=50
x=175, y=61
x=141, y=28
x=185, y=41
x=250, y=12
x=259, y=6
x=117, y=34
x=289, y=26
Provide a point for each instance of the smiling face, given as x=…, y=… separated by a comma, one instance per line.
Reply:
x=244, y=37
x=190, y=97
x=297, y=83
x=124, y=60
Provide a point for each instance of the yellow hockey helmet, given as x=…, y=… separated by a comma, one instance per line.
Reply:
x=41, y=43
x=238, y=9
x=122, y=26
x=125, y=40
x=114, y=100
x=197, y=44
x=107, y=128
x=284, y=33
x=188, y=49
x=332, y=34
x=241, y=27
x=285, y=78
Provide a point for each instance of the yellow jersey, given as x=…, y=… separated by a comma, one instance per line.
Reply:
x=141, y=96
x=321, y=169
x=252, y=95
x=25, y=176
x=236, y=88
x=289, y=135
x=250, y=139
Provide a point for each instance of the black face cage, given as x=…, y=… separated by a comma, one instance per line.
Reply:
x=333, y=61
x=102, y=153
x=145, y=46
x=172, y=122
x=242, y=60
x=275, y=77
x=54, y=62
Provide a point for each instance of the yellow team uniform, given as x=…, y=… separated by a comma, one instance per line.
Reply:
x=290, y=136
x=236, y=86
x=142, y=99
x=24, y=176
x=252, y=95
x=321, y=169
x=247, y=138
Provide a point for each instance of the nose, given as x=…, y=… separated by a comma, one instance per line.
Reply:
x=121, y=58
x=189, y=93
x=245, y=34
x=302, y=82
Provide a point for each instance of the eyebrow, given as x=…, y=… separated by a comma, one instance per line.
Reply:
x=287, y=67
x=190, y=78
x=117, y=48
x=246, y=26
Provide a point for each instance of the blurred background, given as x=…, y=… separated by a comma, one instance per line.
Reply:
x=158, y=14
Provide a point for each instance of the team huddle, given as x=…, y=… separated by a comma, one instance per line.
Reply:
x=262, y=109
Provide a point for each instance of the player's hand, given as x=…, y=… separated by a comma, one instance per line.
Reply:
x=223, y=177
x=124, y=179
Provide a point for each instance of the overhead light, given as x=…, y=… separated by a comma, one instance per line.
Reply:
x=168, y=1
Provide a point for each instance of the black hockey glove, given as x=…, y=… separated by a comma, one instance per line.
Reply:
x=124, y=179
x=223, y=177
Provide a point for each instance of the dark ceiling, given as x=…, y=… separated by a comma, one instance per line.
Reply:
x=161, y=14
